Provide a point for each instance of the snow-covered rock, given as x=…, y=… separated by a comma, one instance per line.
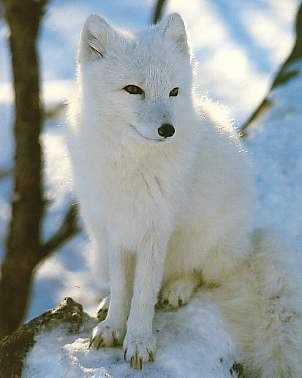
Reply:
x=192, y=342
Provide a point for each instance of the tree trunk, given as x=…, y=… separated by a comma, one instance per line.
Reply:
x=23, y=242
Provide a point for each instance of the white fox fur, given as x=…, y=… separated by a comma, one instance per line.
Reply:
x=167, y=214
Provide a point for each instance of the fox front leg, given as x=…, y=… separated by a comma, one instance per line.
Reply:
x=140, y=343
x=111, y=331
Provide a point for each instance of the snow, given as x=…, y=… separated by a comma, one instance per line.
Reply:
x=192, y=342
x=238, y=46
x=275, y=142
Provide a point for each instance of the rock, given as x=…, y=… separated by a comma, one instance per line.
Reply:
x=14, y=348
x=192, y=342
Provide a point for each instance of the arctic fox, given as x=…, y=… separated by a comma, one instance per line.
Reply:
x=168, y=197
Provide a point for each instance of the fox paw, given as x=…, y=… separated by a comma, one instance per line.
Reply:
x=104, y=335
x=176, y=293
x=103, y=308
x=139, y=349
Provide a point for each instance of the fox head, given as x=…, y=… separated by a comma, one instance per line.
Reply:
x=140, y=84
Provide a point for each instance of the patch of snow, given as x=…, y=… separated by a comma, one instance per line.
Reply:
x=275, y=142
x=192, y=342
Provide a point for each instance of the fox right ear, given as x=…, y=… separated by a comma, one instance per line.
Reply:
x=95, y=36
x=174, y=28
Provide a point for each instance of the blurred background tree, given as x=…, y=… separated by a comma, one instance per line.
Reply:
x=25, y=248
x=23, y=242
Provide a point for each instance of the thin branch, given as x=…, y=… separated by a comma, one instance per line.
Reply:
x=54, y=110
x=68, y=228
x=264, y=105
x=5, y=172
x=158, y=10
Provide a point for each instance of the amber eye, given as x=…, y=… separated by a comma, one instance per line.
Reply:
x=174, y=92
x=133, y=89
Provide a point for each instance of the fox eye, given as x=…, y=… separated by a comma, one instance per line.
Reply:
x=133, y=89
x=174, y=92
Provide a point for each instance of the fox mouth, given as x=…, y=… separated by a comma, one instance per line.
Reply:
x=156, y=140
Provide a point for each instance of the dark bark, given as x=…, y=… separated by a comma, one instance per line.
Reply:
x=158, y=10
x=284, y=74
x=14, y=348
x=65, y=232
x=23, y=242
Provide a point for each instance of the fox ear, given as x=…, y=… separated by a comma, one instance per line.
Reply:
x=174, y=28
x=95, y=37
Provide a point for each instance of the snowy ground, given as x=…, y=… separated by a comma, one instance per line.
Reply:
x=275, y=142
x=192, y=342
x=236, y=60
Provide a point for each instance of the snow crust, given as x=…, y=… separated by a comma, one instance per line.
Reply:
x=275, y=142
x=192, y=342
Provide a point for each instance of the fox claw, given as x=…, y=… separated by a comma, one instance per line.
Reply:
x=105, y=336
x=103, y=309
x=151, y=356
x=136, y=362
x=138, y=350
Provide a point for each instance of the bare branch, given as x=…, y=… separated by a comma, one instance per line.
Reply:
x=158, y=10
x=68, y=228
x=54, y=110
x=5, y=172
x=265, y=104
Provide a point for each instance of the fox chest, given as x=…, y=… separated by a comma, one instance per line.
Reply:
x=133, y=193
x=124, y=197
x=134, y=202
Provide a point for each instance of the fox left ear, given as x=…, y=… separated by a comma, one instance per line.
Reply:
x=95, y=38
x=174, y=28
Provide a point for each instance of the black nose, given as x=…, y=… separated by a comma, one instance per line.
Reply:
x=166, y=130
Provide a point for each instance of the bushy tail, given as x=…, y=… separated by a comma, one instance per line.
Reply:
x=261, y=301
